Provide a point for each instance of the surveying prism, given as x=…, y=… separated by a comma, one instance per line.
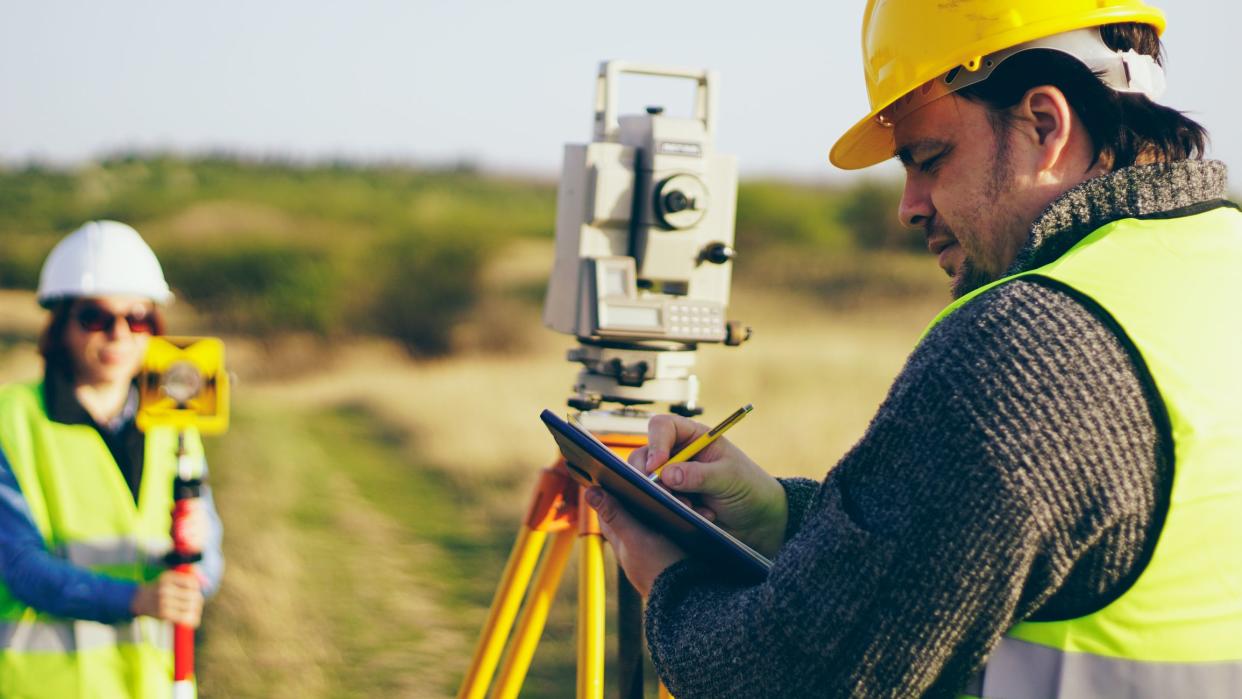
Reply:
x=183, y=386
x=644, y=259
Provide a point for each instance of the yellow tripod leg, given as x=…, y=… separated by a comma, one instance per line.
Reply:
x=591, y=607
x=505, y=604
x=534, y=615
x=664, y=693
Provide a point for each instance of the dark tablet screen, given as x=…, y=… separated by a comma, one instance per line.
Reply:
x=593, y=463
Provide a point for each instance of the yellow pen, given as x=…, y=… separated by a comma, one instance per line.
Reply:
x=693, y=448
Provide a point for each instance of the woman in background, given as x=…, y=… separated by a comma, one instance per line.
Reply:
x=85, y=498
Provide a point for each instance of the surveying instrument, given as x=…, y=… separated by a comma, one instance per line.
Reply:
x=644, y=253
x=183, y=386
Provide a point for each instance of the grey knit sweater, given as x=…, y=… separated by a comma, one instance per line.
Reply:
x=1015, y=471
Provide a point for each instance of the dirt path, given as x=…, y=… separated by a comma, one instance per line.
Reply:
x=332, y=586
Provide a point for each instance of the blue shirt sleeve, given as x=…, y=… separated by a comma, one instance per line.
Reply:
x=212, y=564
x=46, y=582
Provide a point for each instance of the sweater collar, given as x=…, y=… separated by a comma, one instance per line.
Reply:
x=1132, y=192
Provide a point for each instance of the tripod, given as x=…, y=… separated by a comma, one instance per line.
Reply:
x=557, y=510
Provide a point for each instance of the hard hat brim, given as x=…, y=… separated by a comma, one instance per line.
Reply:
x=55, y=297
x=867, y=143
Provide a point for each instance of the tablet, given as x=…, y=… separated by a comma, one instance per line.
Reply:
x=592, y=463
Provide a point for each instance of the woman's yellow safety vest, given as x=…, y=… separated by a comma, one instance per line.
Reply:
x=87, y=515
x=1173, y=286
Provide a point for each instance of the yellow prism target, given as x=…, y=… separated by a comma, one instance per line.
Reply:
x=183, y=384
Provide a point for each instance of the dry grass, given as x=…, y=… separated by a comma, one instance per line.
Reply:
x=20, y=313
x=327, y=593
x=226, y=220
x=815, y=375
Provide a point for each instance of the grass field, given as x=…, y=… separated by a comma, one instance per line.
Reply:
x=370, y=499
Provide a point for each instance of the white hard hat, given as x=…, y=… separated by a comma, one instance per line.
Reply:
x=102, y=258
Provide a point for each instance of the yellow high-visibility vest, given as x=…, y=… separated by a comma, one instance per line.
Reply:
x=1171, y=287
x=86, y=513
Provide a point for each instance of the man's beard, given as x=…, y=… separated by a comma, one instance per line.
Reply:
x=968, y=278
x=970, y=275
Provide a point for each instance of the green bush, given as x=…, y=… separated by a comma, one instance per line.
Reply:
x=413, y=288
x=423, y=285
x=22, y=258
x=780, y=212
x=869, y=212
x=261, y=288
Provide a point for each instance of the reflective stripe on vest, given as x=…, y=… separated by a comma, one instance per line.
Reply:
x=81, y=504
x=115, y=552
x=1170, y=287
x=69, y=636
x=1022, y=670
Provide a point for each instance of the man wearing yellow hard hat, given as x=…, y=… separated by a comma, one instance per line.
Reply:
x=1049, y=501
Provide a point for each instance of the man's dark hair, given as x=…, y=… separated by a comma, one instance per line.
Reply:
x=1125, y=129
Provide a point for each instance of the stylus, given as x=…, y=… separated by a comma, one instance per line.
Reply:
x=693, y=448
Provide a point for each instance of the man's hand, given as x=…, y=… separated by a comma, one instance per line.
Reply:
x=733, y=491
x=642, y=553
x=173, y=596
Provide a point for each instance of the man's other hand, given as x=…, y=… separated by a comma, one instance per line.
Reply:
x=642, y=553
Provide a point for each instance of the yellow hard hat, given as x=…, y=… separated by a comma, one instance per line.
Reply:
x=908, y=43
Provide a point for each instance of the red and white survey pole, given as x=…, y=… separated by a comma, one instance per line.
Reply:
x=187, y=486
x=183, y=385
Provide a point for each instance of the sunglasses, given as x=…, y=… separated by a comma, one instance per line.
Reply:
x=95, y=319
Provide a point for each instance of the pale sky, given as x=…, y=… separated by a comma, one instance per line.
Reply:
x=501, y=84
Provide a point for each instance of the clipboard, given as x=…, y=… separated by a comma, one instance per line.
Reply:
x=592, y=463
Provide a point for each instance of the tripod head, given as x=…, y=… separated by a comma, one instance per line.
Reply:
x=644, y=248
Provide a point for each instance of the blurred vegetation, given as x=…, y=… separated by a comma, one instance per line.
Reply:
x=269, y=247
